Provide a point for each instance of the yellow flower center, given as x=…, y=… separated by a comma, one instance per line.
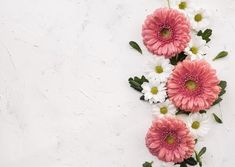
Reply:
x=154, y=90
x=183, y=5
x=165, y=33
x=194, y=50
x=195, y=125
x=170, y=139
x=163, y=110
x=198, y=17
x=158, y=69
x=191, y=85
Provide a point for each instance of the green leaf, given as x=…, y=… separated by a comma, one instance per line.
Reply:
x=200, y=164
x=222, y=92
x=217, y=101
x=147, y=164
x=138, y=80
x=173, y=60
x=200, y=33
x=136, y=83
x=183, y=164
x=221, y=55
x=135, y=46
x=202, y=111
x=178, y=58
x=143, y=79
x=197, y=157
x=202, y=151
x=223, y=84
x=217, y=119
x=142, y=97
x=191, y=161
x=205, y=35
x=182, y=112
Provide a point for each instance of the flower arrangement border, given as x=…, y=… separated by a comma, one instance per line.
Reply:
x=178, y=82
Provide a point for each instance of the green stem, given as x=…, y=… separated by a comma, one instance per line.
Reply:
x=168, y=2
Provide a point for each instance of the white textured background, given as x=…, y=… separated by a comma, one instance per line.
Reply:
x=65, y=99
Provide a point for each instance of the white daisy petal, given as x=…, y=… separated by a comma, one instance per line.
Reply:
x=183, y=5
x=164, y=109
x=154, y=91
x=159, y=69
x=196, y=48
x=199, y=19
x=198, y=124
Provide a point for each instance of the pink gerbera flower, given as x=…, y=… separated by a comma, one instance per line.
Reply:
x=166, y=32
x=193, y=85
x=170, y=140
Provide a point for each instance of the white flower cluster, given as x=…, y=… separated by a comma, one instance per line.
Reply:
x=199, y=21
x=159, y=70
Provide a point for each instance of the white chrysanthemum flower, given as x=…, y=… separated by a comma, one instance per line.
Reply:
x=154, y=91
x=196, y=48
x=183, y=5
x=199, y=19
x=198, y=124
x=159, y=69
x=164, y=109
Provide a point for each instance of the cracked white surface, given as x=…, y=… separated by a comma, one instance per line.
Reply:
x=64, y=95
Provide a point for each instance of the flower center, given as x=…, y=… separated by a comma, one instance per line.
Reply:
x=191, y=85
x=194, y=50
x=163, y=110
x=154, y=90
x=170, y=139
x=158, y=69
x=165, y=33
x=198, y=17
x=183, y=5
x=195, y=125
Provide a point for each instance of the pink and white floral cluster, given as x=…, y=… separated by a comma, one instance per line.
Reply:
x=178, y=80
